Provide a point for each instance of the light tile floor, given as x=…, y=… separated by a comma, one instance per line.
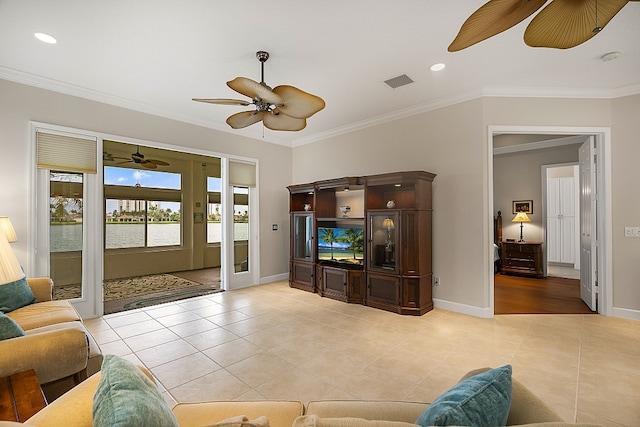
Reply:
x=275, y=342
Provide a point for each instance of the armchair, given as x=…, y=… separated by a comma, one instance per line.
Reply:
x=56, y=345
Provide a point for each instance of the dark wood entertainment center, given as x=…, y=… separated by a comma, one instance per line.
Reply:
x=379, y=251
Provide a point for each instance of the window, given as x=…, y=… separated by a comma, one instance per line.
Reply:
x=142, y=208
x=214, y=210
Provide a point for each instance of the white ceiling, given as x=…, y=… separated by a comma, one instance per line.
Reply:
x=155, y=55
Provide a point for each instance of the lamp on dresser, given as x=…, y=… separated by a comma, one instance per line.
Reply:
x=521, y=217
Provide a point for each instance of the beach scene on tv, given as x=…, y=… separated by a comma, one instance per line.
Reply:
x=342, y=245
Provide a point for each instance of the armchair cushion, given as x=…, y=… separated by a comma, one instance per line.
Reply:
x=14, y=295
x=9, y=328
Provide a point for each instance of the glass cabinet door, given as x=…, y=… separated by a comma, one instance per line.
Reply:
x=303, y=247
x=383, y=241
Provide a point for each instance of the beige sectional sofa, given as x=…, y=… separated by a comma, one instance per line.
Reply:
x=56, y=345
x=74, y=409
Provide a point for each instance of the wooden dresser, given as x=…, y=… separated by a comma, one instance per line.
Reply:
x=522, y=258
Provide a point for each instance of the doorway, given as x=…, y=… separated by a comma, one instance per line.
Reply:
x=554, y=138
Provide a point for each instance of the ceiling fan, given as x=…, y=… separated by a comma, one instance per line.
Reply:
x=281, y=108
x=137, y=158
x=562, y=24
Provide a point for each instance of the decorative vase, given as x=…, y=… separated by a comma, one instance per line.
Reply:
x=307, y=207
x=345, y=209
x=391, y=204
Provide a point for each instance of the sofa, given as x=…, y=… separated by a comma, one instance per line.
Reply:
x=77, y=408
x=56, y=343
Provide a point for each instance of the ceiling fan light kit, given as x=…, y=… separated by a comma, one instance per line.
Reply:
x=562, y=24
x=283, y=108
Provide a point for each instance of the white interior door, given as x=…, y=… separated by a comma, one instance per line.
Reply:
x=588, y=235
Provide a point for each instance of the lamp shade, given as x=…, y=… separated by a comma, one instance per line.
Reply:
x=388, y=224
x=521, y=217
x=7, y=228
x=10, y=269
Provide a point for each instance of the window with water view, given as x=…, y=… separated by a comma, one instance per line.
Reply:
x=142, y=208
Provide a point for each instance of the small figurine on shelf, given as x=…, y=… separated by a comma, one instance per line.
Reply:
x=391, y=204
x=345, y=209
x=307, y=207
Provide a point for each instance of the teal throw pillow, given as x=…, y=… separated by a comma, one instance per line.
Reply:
x=9, y=328
x=127, y=397
x=16, y=294
x=481, y=400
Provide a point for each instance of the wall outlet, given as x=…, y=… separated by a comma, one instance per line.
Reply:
x=436, y=281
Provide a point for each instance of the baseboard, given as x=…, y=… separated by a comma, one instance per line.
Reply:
x=626, y=313
x=463, y=308
x=274, y=278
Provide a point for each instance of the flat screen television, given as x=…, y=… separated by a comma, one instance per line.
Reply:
x=341, y=245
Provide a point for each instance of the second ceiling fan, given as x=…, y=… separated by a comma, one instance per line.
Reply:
x=284, y=107
x=562, y=24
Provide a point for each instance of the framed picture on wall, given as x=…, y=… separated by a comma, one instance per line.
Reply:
x=525, y=206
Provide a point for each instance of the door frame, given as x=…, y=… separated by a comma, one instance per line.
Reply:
x=604, y=221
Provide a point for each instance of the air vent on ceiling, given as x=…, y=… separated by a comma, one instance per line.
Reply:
x=396, y=82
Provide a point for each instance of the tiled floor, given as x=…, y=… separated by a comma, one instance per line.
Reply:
x=274, y=342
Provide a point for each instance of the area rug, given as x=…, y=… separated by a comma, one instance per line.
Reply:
x=145, y=291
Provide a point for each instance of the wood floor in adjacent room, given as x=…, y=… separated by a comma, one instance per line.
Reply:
x=526, y=295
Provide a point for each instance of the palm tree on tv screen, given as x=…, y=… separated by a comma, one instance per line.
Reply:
x=328, y=235
x=355, y=238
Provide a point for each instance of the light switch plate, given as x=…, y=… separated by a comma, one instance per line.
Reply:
x=632, y=232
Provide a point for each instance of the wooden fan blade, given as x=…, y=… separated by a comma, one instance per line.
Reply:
x=282, y=121
x=244, y=119
x=493, y=18
x=298, y=103
x=253, y=90
x=158, y=162
x=149, y=165
x=222, y=101
x=566, y=24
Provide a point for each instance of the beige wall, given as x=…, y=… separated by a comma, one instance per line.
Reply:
x=453, y=143
x=20, y=104
x=625, y=153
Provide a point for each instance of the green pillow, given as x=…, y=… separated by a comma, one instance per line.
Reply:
x=9, y=328
x=127, y=397
x=481, y=400
x=16, y=294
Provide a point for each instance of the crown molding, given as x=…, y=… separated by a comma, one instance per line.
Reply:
x=105, y=98
x=488, y=91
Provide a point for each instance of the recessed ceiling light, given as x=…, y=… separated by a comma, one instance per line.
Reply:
x=45, y=38
x=610, y=56
x=438, y=67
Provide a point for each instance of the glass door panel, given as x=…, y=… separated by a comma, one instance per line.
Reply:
x=383, y=240
x=241, y=229
x=66, y=233
x=303, y=236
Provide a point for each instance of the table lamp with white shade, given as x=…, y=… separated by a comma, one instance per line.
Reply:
x=521, y=217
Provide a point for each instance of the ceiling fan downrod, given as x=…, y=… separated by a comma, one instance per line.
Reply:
x=262, y=57
x=597, y=28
